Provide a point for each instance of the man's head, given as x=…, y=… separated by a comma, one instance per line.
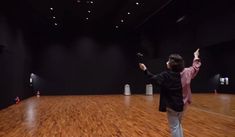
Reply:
x=175, y=63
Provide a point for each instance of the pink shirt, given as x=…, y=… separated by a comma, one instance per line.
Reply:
x=186, y=76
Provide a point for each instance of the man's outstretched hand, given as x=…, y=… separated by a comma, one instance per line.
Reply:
x=196, y=54
x=142, y=66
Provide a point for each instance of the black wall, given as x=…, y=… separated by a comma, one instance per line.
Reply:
x=87, y=64
x=14, y=63
x=223, y=57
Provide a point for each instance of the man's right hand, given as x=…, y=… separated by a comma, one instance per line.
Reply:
x=142, y=66
x=196, y=54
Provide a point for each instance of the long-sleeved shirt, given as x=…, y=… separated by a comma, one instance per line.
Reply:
x=186, y=76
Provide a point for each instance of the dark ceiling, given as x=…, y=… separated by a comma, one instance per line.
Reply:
x=85, y=14
x=114, y=15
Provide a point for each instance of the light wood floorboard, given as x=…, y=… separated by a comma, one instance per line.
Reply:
x=210, y=115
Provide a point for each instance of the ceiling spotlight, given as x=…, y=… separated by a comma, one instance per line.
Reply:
x=128, y=13
x=89, y=11
x=53, y=17
x=56, y=24
x=51, y=9
x=116, y=27
x=91, y=2
x=122, y=20
x=87, y=18
x=78, y=1
x=137, y=3
x=180, y=19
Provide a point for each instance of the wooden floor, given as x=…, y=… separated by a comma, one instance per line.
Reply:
x=210, y=115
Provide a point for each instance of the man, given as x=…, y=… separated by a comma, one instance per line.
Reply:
x=175, y=91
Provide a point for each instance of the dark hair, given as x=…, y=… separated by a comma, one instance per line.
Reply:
x=176, y=62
